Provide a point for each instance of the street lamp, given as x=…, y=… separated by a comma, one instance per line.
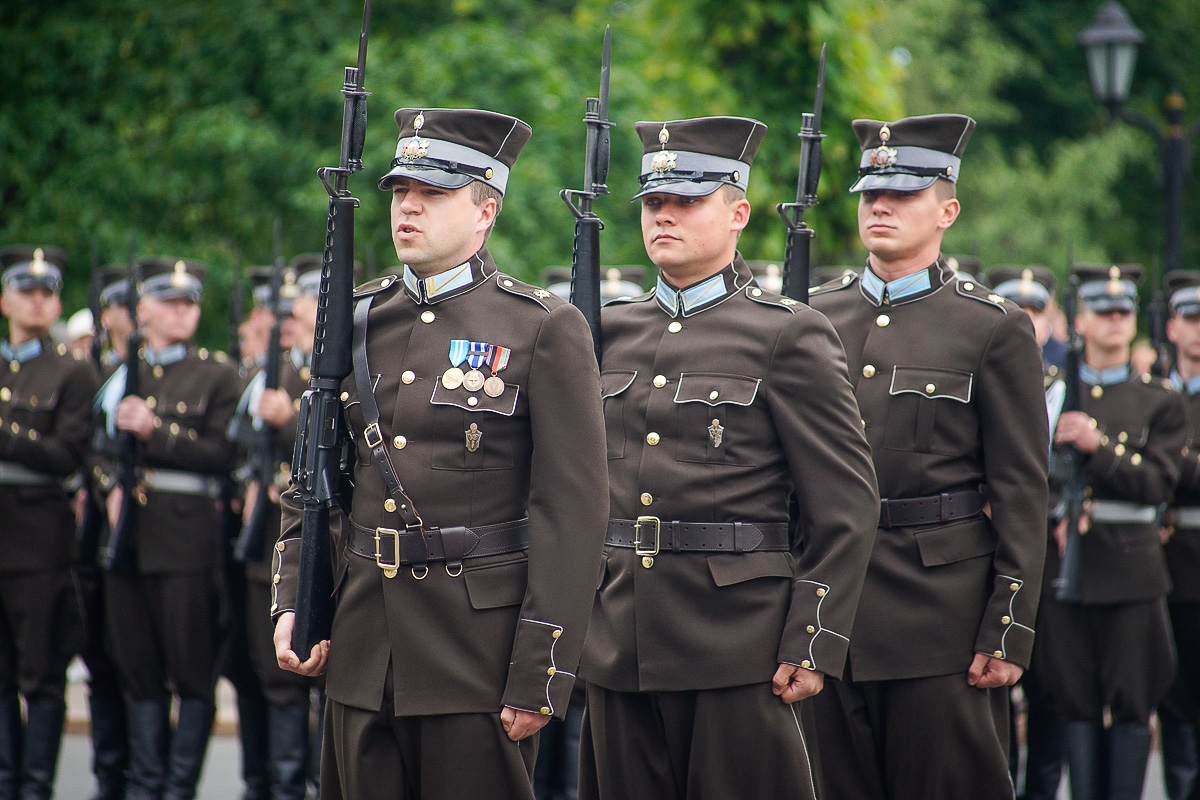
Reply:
x=1111, y=44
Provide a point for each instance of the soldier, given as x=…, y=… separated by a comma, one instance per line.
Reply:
x=271, y=413
x=948, y=378
x=1032, y=288
x=461, y=606
x=721, y=399
x=1111, y=652
x=44, y=398
x=167, y=607
x=1179, y=712
x=115, y=324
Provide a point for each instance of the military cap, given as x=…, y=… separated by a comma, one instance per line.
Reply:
x=1028, y=287
x=695, y=157
x=622, y=281
x=908, y=155
x=768, y=274
x=1184, y=287
x=307, y=267
x=1104, y=289
x=260, y=282
x=966, y=266
x=114, y=281
x=80, y=324
x=32, y=267
x=450, y=147
x=171, y=278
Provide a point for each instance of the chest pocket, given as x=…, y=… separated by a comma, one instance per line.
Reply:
x=918, y=397
x=713, y=417
x=473, y=435
x=33, y=410
x=182, y=417
x=613, y=385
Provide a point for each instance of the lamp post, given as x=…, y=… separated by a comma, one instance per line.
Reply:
x=1110, y=43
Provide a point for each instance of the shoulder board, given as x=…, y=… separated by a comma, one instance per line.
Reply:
x=1161, y=383
x=984, y=295
x=834, y=285
x=543, y=297
x=375, y=286
x=761, y=295
x=637, y=298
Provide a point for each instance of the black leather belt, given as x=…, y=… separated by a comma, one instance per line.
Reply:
x=943, y=507
x=392, y=548
x=649, y=536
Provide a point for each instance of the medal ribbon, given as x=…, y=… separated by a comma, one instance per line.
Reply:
x=498, y=358
x=478, y=353
x=458, y=351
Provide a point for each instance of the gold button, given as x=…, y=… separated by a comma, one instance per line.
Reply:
x=33, y=401
x=174, y=428
x=386, y=283
x=181, y=407
x=389, y=505
x=660, y=381
x=408, y=376
x=556, y=634
x=152, y=402
x=472, y=401
x=1014, y=586
x=998, y=654
x=157, y=371
x=157, y=422
x=1005, y=620
x=1103, y=439
x=32, y=435
x=883, y=320
x=399, y=442
x=427, y=317
x=508, y=283
x=1119, y=449
x=868, y=371
x=276, y=578
x=545, y=711
x=675, y=327
x=864, y=423
x=969, y=286
x=806, y=664
x=713, y=395
x=811, y=629
x=647, y=562
x=1135, y=459
x=1122, y=437
x=5, y=394
x=647, y=498
x=1092, y=423
x=820, y=592
x=551, y=671
x=930, y=388
x=279, y=547
x=1097, y=391
x=345, y=396
x=756, y=292
x=652, y=438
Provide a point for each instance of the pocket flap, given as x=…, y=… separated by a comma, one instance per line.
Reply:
x=613, y=382
x=503, y=405
x=35, y=402
x=951, y=384
x=731, y=568
x=957, y=542
x=497, y=585
x=714, y=389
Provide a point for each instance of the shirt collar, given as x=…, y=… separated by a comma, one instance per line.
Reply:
x=1190, y=387
x=171, y=354
x=1103, y=377
x=449, y=283
x=901, y=290
x=26, y=351
x=704, y=294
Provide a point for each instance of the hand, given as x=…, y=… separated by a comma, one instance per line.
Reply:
x=520, y=724
x=135, y=416
x=315, y=665
x=794, y=683
x=250, y=501
x=1078, y=430
x=275, y=407
x=112, y=504
x=988, y=672
x=79, y=505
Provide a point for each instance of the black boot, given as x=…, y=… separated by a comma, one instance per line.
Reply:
x=1179, y=758
x=1128, y=753
x=11, y=734
x=1084, y=745
x=149, y=742
x=43, y=736
x=1044, y=759
x=188, y=746
x=252, y=730
x=288, y=750
x=110, y=748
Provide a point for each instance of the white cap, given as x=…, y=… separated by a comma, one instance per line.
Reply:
x=80, y=324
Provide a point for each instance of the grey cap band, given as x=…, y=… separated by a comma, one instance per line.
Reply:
x=1024, y=292
x=691, y=175
x=1099, y=297
x=1186, y=301
x=913, y=169
x=446, y=165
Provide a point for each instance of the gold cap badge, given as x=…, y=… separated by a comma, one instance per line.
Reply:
x=1114, y=287
x=38, y=267
x=179, y=279
x=416, y=147
x=1026, y=286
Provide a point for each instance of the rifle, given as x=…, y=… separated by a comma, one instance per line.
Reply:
x=87, y=535
x=263, y=463
x=1161, y=368
x=323, y=447
x=237, y=310
x=585, y=254
x=797, y=256
x=1067, y=462
x=118, y=554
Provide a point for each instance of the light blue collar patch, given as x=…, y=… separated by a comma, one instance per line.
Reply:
x=908, y=286
x=171, y=354
x=1103, y=377
x=1191, y=387
x=26, y=351
x=435, y=286
x=692, y=298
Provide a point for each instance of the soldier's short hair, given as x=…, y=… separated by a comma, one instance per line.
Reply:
x=480, y=192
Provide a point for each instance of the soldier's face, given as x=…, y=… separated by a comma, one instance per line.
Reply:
x=1041, y=323
x=304, y=321
x=690, y=238
x=30, y=309
x=1110, y=330
x=435, y=229
x=168, y=321
x=898, y=225
x=1184, y=333
x=115, y=320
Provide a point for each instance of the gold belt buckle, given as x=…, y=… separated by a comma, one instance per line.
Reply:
x=389, y=570
x=637, y=535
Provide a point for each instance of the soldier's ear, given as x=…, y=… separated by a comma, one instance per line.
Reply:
x=950, y=211
x=741, y=215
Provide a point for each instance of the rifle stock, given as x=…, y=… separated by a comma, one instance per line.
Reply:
x=322, y=452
